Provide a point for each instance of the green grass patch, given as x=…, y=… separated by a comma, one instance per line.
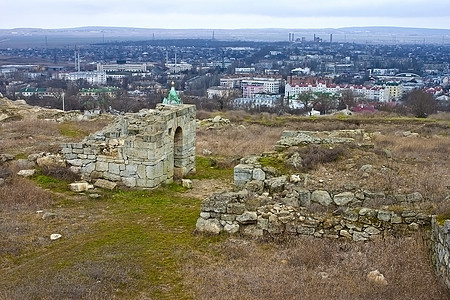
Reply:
x=70, y=129
x=51, y=183
x=274, y=162
x=136, y=250
x=21, y=156
x=440, y=219
x=206, y=168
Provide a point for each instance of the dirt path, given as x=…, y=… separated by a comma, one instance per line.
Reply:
x=202, y=188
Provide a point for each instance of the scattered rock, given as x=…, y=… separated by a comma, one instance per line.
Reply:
x=365, y=169
x=55, y=236
x=376, y=277
x=187, y=183
x=2, y=181
x=26, y=173
x=6, y=157
x=35, y=156
x=360, y=236
x=49, y=215
x=79, y=186
x=105, y=184
x=295, y=179
x=23, y=164
x=295, y=161
x=206, y=152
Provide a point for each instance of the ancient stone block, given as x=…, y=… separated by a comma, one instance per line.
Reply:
x=105, y=184
x=212, y=226
x=247, y=217
x=344, y=198
x=305, y=230
x=231, y=228
x=258, y=174
x=236, y=208
x=129, y=181
x=79, y=186
x=242, y=174
x=321, y=197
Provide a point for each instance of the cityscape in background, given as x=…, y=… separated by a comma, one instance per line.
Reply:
x=306, y=72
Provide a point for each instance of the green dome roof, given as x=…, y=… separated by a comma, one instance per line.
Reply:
x=172, y=98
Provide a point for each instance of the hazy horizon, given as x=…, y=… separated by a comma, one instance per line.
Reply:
x=230, y=14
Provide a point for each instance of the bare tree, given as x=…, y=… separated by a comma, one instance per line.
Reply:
x=421, y=103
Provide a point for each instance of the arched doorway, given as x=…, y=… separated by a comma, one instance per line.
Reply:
x=178, y=153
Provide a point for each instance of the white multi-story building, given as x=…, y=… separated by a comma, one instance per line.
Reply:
x=255, y=85
x=219, y=91
x=91, y=77
x=178, y=67
x=375, y=93
x=122, y=67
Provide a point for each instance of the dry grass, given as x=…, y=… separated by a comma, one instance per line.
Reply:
x=34, y=135
x=138, y=244
x=238, y=141
x=308, y=268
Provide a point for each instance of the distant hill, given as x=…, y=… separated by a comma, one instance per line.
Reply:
x=36, y=37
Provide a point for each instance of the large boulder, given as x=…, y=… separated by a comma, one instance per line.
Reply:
x=208, y=226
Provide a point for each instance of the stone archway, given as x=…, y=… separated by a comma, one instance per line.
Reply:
x=178, y=159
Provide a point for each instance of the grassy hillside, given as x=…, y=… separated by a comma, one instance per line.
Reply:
x=140, y=244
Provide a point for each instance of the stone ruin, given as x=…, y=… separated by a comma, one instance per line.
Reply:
x=266, y=203
x=143, y=149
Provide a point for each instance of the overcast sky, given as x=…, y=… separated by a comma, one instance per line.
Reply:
x=215, y=14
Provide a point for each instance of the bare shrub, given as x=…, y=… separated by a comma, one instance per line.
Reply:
x=313, y=155
x=19, y=193
x=60, y=173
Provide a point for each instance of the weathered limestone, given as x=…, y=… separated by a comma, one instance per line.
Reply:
x=144, y=149
x=79, y=186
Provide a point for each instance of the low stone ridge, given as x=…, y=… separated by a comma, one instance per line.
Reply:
x=300, y=138
x=144, y=149
x=217, y=121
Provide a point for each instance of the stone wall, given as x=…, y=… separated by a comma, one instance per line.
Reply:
x=264, y=214
x=440, y=249
x=139, y=150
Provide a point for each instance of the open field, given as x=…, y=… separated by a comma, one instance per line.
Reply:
x=140, y=244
